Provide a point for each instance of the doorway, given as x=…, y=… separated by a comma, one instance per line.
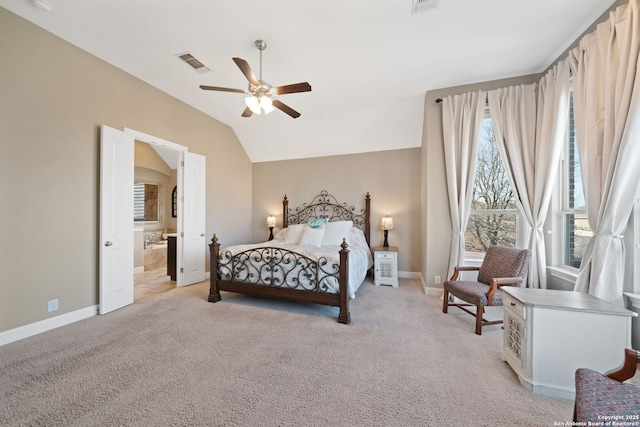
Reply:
x=117, y=214
x=155, y=219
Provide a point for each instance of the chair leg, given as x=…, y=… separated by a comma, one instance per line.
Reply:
x=445, y=301
x=479, y=314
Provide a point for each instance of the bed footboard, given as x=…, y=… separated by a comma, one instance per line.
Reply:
x=282, y=274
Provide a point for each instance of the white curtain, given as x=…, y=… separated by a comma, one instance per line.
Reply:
x=607, y=119
x=461, y=122
x=530, y=122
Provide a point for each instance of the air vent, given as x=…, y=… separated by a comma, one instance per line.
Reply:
x=420, y=6
x=193, y=62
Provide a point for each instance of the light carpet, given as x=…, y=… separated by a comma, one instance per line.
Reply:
x=174, y=359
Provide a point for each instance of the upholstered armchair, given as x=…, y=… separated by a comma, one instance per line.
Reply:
x=502, y=266
x=602, y=397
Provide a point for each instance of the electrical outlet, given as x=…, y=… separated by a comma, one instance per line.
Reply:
x=438, y=280
x=52, y=305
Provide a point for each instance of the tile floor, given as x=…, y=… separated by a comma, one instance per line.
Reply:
x=151, y=282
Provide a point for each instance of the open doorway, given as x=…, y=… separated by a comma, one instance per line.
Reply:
x=155, y=212
x=116, y=215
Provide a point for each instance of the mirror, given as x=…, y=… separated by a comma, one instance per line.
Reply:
x=146, y=201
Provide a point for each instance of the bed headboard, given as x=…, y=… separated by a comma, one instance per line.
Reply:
x=324, y=205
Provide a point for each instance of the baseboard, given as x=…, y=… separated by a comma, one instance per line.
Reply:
x=413, y=275
x=430, y=290
x=26, y=331
x=409, y=275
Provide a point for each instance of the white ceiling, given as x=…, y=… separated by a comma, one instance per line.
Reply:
x=369, y=63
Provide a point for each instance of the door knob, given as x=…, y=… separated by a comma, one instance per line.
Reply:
x=202, y=235
x=108, y=243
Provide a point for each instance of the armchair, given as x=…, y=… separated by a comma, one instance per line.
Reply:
x=502, y=266
x=605, y=397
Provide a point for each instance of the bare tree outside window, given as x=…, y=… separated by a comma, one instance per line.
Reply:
x=494, y=215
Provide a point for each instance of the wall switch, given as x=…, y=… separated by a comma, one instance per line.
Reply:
x=438, y=280
x=52, y=305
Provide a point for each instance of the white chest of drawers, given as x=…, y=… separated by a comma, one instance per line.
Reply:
x=548, y=334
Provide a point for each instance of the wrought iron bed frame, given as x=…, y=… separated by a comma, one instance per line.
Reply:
x=260, y=271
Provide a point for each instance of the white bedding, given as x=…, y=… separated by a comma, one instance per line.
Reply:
x=360, y=259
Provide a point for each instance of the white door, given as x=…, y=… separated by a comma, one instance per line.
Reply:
x=116, y=219
x=193, y=220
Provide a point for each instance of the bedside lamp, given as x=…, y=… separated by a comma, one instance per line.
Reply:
x=271, y=222
x=387, y=224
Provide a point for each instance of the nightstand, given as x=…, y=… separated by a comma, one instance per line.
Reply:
x=385, y=262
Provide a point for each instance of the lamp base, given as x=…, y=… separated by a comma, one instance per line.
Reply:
x=386, y=241
x=270, y=233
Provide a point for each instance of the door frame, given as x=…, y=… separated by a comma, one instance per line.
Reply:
x=181, y=149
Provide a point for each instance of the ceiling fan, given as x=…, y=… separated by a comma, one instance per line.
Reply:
x=261, y=94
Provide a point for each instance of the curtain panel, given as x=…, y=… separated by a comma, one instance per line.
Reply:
x=607, y=119
x=461, y=121
x=530, y=122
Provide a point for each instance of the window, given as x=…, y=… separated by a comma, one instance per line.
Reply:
x=494, y=218
x=576, y=230
x=145, y=201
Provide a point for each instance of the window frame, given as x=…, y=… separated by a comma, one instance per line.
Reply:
x=159, y=205
x=475, y=258
x=565, y=210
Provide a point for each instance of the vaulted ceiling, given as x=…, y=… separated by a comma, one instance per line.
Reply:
x=369, y=63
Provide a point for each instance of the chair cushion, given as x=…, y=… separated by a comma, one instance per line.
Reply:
x=598, y=396
x=500, y=261
x=472, y=292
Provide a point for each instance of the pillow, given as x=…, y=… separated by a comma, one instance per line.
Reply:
x=294, y=234
x=312, y=236
x=280, y=235
x=317, y=222
x=335, y=232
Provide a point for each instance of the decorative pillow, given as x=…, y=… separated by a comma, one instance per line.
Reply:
x=294, y=234
x=335, y=232
x=317, y=222
x=312, y=236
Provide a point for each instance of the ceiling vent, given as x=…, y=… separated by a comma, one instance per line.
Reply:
x=193, y=62
x=420, y=6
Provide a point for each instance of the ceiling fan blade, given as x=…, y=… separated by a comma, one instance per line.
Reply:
x=246, y=70
x=247, y=112
x=285, y=108
x=223, y=89
x=293, y=88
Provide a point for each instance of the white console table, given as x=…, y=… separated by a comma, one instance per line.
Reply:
x=548, y=334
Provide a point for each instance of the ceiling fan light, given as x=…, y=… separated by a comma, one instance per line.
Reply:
x=266, y=104
x=253, y=104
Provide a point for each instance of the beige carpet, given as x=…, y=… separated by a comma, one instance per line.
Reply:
x=174, y=359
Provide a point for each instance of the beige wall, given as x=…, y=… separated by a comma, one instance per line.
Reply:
x=392, y=178
x=53, y=99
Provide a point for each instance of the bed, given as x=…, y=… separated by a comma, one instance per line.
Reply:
x=320, y=256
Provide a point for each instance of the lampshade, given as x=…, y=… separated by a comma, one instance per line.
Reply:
x=259, y=104
x=387, y=223
x=266, y=104
x=253, y=104
x=271, y=221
